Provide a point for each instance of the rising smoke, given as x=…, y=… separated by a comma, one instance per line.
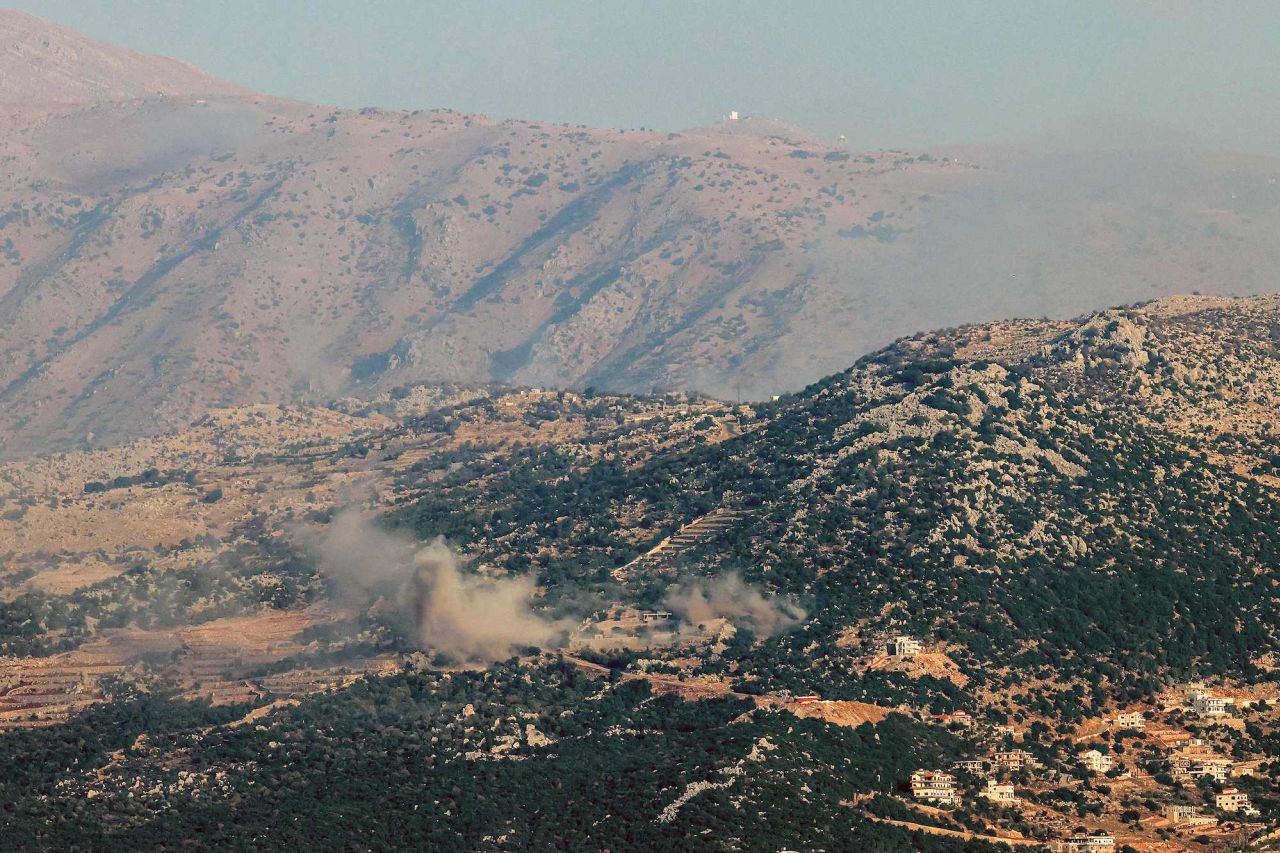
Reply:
x=426, y=593
x=730, y=597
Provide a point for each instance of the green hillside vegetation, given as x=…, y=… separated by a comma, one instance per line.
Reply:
x=410, y=761
x=1033, y=514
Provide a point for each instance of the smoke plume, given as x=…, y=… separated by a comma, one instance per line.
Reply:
x=730, y=597
x=426, y=593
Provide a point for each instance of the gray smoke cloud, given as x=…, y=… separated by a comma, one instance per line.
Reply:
x=730, y=597
x=427, y=593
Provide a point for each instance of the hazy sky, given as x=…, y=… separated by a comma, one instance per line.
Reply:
x=887, y=73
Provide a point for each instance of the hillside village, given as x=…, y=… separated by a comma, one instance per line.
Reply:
x=207, y=596
x=1163, y=777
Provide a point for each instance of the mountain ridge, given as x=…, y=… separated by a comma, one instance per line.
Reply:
x=43, y=64
x=162, y=256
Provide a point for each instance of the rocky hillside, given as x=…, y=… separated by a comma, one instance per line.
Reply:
x=1094, y=497
x=1071, y=517
x=165, y=254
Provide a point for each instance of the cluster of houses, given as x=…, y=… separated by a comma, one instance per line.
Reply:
x=939, y=788
x=1191, y=761
x=1197, y=767
x=1230, y=800
x=1019, y=759
x=934, y=786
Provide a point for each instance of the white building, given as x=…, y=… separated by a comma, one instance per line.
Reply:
x=1098, y=762
x=1015, y=758
x=1087, y=843
x=903, y=646
x=1217, y=769
x=935, y=787
x=1002, y=794
x=1131, y=720
x=1234, y=800
x=1206, y=704
x=970, y=765
x=662, y=616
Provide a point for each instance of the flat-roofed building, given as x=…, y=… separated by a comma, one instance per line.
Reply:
x=1001, y=793
x=1014, y=758
x=1184, y=815
x=1094, y=843
x=934, y=786
x=1098, y=762
x=903, y=646
x=1131, y=720
x=1234, y=800
x=1206, y=704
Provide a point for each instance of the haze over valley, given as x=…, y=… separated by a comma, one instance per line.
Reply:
x=173, y=243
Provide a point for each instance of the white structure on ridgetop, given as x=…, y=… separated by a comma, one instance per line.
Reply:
x=733, y=115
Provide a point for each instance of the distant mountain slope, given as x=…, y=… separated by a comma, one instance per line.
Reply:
x=165, y=256
x=160, y=256
x=42, y=63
